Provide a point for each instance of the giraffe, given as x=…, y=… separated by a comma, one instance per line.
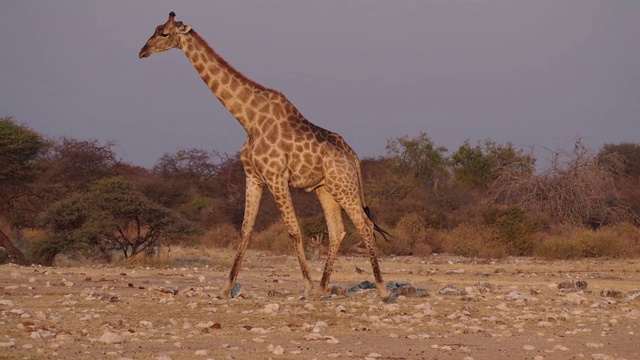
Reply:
x=283, y=149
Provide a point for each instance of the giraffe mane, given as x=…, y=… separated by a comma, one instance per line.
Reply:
x=225, y=64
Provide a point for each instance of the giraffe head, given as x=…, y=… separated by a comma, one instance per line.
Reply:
x=165, y=37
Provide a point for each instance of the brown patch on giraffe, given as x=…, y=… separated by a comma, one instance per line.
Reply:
x=273, y=153
x=195, y=57
x=206, y=77
x=278, y=110
x=272, y=134
x=235, y=108
x=244, y=94
x=234, y=84
x=199, y=67
x=309, y=136
x=256, y=101
x=250, y=113
x=307, y=158
x=226, y=95
x=190, y=47
x=261, y=122
x=225, y=78
x=286, y=131
x=266, y=107
x=214, y=86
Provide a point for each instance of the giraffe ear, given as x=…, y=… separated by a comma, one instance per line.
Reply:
x=184, y=29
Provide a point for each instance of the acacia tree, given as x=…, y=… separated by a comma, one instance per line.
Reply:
x=479, y=165
x=112, y=216
x=411, y=163
x=72, y=165
x=20, y=146
x=192, y=165
x=625, y=152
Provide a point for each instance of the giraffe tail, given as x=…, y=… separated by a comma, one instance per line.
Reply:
x=377, y=228
x=367, y=211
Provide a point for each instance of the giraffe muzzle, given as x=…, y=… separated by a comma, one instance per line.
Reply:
x=144, y=53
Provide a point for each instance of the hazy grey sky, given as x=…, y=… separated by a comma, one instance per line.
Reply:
x=533, y=72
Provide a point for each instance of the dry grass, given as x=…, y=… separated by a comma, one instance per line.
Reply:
x=471, y=240
x=221, y=235
x=274, y=239
x=569, y=242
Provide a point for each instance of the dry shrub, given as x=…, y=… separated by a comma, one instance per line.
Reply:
x=578, y=189
x=147, y=261
x=518, y=230
x=410, y=237
x=221, y=235
x=570, y=242
x=472, y=240
x=274, y=238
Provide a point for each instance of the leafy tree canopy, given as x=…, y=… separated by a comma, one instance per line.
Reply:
x=112, y=216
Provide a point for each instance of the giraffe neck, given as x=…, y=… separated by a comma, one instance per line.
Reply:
x=239, y=94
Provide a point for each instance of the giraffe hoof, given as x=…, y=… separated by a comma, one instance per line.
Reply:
x=319, y=294
x=391, y=298
x=235, y=290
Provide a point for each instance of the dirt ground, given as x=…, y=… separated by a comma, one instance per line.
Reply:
x=472, y=309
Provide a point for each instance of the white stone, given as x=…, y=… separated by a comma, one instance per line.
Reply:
x=331, y=340
x=110, y=338
x=271, y=308
x=575, y=298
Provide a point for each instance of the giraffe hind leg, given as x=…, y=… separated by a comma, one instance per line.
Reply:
x=364, y=226
x=335, y=226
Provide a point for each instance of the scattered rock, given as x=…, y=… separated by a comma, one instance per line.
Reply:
x=454, y=272
x=575, y=298
x=615, y=294
x=515, y=295
x=6, y=302
x=572, y=285
x=110, y=338
x=451, y=290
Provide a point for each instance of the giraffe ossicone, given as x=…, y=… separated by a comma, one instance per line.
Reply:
x=283, y=150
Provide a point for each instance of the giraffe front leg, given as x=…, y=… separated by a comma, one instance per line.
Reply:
x=280, y=190
x=252, y=203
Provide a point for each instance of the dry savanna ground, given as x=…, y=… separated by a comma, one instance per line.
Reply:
x=509, y=309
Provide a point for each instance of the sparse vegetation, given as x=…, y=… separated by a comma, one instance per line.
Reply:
x=74, y=197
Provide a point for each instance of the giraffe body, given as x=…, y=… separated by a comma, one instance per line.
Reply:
x=283, y=150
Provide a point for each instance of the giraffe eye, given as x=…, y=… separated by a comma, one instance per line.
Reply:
x=164, y=35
